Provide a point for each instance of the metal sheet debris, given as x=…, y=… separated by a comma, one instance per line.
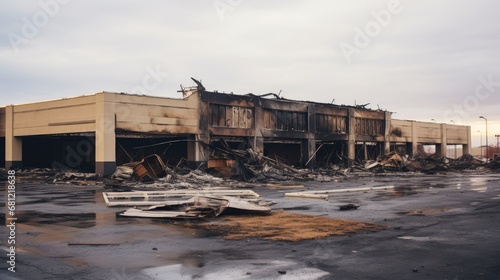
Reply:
x=150, y=198
x=198, y=207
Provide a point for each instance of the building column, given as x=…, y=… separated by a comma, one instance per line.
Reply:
x=466, y=147
x=105, y=138
x=258, y=139
x=351, y=139
x=442, y=150
x=309, y=145
x=387, y=133
x=196, y=151
x=13, y=144
x=414, y=138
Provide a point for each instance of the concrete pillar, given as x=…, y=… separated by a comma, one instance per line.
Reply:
x=308, y=148
x=311, y=149
x=365, y=151
x=444, y=141
x=310, y=143
x=13, y=144
x=387, y=133
x=351, y=139
x=466, y=147
x=105, y=138
x=196, y=151
x=414, y=137
x=258, y=139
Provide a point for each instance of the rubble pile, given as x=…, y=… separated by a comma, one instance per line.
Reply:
x=239, y=168
x=494, y=164
x=424, y=163
x=251, y=166
x=53, y=176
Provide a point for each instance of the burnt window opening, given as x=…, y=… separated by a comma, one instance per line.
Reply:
x=285, y=120
x=369, y=126
x=331, y=123
x=231, y=116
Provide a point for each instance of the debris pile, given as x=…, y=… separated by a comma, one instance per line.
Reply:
x=494, y=164
x=53, y=176
x=432, y=163
x=251, y=166
x=389, y=162
x=422, y=163
x=466, y=161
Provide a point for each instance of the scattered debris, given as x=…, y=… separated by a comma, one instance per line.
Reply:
x=251, y=166
x=349, y=206
x=494, y=164
x=423, y=163
x=123, y=173
x=248, y=166
x=151, y=167
x=278, y=186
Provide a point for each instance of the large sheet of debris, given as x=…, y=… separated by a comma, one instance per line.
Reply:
x=185, y=204
x=197, y=207
x=150, y=198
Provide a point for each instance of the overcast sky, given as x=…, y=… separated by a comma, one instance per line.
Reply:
x=421, y=59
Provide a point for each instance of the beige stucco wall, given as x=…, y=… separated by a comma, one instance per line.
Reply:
x=68, y=115
x=133, y=113
x=428, y=132
x=157, y=115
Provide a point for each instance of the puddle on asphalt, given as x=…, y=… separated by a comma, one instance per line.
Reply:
x=480, y=190
x=297, y=208
x=76, y=220
x=438, y=185
x=234, y=269
x=397, y=192
x=476, y=181
x=425, y=212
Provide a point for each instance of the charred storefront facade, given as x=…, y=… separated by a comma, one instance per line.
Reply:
x=98, y=132
x=297, y=133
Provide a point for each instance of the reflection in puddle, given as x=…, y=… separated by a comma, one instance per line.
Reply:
x=173, y=272
x=420, y=238
x=396, y=193
x=79, y=220
x=234, y=269
x=476, y=181
x=424, y=212
x=481, y=190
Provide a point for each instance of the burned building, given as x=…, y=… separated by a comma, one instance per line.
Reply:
x=100, y=131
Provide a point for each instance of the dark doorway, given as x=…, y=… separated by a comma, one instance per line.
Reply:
x=59, y=152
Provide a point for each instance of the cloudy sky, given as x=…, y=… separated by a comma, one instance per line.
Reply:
x=423, y=60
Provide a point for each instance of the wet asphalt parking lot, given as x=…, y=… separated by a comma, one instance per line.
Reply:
x=438, y=227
